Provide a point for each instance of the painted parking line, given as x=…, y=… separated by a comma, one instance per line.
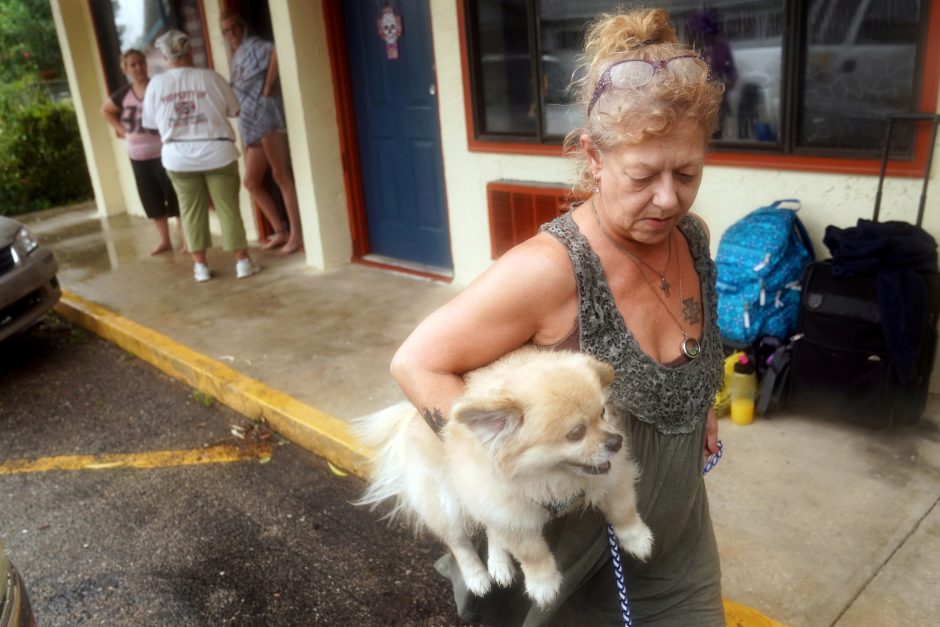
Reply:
x=220, y=454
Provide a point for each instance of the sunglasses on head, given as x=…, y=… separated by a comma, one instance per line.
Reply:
x=639, y=72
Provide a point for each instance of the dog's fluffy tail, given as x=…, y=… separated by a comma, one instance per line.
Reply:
x=384, y=431
x=375, y=429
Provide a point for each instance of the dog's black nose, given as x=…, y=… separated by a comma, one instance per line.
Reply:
x=613, y=442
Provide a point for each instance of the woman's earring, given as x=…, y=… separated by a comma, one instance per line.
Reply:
x=597, y=185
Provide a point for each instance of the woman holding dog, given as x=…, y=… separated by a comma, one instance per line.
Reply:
x=626, y=276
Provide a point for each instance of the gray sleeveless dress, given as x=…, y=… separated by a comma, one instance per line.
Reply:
x=665, y=408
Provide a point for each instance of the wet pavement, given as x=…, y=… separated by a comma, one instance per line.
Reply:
x=253, y=530
x=325, y=340
x=818, y=523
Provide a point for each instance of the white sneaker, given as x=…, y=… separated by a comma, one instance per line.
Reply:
x=201, y=272
x=244, y=268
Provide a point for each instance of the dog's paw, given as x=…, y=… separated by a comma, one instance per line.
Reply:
x=478, y=582
x=544, y=590
x=636, y=539
x=502, y=570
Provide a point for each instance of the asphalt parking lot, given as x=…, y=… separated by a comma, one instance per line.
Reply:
x=128, y=499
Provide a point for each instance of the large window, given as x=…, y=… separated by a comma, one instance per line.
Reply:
x=124, y=24
x=824, y=90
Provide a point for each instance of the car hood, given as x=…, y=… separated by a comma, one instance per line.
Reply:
x=8, y=230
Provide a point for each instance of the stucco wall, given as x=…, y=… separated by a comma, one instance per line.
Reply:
x=86, y=84
x=309, y=107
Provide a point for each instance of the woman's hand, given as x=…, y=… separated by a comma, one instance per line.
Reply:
x=711, y=433
x=110, y=111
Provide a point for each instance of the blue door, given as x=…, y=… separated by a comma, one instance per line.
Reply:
x=395, y=96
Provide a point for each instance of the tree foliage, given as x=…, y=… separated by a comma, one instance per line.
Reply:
x=28, y=42
x=41, y=159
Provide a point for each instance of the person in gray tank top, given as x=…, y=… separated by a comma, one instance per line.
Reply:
x=625, y=276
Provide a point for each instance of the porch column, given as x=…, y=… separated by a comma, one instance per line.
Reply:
x=307, y=87
x=88, y=87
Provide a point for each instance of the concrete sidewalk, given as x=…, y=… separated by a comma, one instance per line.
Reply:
x=817, y=523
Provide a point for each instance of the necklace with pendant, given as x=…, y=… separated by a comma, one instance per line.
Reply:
x=690, y=346
x=664, y=285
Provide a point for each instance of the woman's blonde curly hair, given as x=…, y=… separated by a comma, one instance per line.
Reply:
x=628, y=116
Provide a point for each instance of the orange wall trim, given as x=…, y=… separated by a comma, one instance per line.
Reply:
x=440, y=278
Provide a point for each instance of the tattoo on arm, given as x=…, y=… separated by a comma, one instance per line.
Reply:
x=434, y=418
x=691, y=311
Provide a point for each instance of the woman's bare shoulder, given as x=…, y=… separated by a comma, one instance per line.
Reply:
x=505, y=307
x=537, y=266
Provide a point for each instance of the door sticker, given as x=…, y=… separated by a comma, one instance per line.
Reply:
x=390, y=31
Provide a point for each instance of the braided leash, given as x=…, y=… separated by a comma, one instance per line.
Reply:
x=615, y=552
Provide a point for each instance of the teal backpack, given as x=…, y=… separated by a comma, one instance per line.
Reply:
x=760, y=261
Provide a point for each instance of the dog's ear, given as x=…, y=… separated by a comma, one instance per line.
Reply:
x=605, y=372
x=488, y=418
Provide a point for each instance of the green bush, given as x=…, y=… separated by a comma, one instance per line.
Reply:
x=41, y=159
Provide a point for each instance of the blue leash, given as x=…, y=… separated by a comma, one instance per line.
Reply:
x=615, y=552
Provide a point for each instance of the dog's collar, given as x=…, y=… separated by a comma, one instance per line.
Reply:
x=557, y=508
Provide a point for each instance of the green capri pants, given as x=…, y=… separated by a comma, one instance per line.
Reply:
x=193, y=190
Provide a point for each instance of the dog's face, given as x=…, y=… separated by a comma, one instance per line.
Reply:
x=548, y=421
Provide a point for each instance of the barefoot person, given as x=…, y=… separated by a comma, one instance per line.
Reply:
x=190, y=107
x=261, y=122
x=626, y=277
x=122, y=110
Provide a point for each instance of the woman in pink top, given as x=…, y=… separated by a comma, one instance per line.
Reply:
x=122, y=110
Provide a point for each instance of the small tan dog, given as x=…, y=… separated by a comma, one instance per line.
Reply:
x=529, y=436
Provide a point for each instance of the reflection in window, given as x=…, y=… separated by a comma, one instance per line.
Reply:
x=860, y=68
x=851, y=62
x=505, y=67
x=743, y=44
x=742, y=39
x=125, y=24
x=561, y=35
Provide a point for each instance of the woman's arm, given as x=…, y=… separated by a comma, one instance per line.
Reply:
x=711, y=422
x=503, y=309
x=110, y=111
x=271, y=77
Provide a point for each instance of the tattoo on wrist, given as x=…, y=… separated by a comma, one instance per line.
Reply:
x=434, y=418
x=691, y=311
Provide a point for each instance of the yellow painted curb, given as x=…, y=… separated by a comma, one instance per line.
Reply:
x=322, y=434
x=300, y=423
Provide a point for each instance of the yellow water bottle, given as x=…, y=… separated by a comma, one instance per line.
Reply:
x=743, y=391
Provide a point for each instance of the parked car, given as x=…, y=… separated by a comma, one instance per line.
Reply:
x=15, y=609
x=28, y=284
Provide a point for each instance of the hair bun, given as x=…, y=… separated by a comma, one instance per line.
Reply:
x=612, y=35
x=173, y=44
x=654, y=27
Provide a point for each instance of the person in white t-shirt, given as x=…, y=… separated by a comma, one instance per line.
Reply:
x=190, y=108
x=122, y=111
